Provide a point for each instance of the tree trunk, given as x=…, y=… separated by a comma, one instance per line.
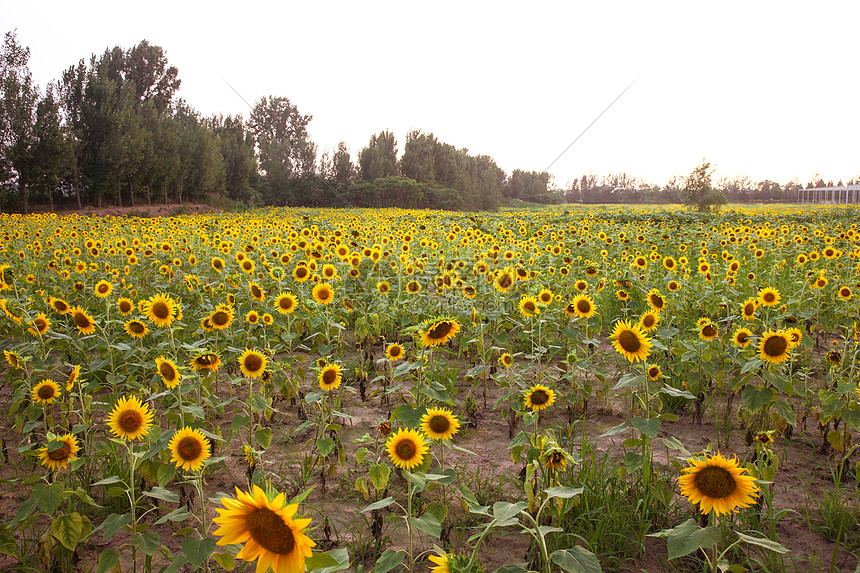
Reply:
x=131, y=192
x=119, y=193
x=164, y=188
x=22, y=188
x=51, y=197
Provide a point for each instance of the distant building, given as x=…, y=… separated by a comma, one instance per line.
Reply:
x=842, y=194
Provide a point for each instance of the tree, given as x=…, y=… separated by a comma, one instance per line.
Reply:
x=698, y=192
x=52, y=151
x=379, y=158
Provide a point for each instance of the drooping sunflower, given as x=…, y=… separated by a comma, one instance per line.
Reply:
x=649, y=320
x=323, y=293
x=45, y=392
x=59, y=305
x=539, y=397
x=769, y=297
x=168, y=371
x=136, y=328
x=13, y=358
x=84, y=322
x=440, y=424
x=160, y=309
x=582, y=306
x=529, y=307
x=748, y=309
x=103, y=289
x=257, y=292
x=269, y=529
x=125, y=305
x=206, y=361
x=717, y=484
x=130, y=419
x=506, y=360
x=438, y=332
x=394, y=351
x=554, y=457
x=654, y=372
x=252, y=363
x=329, y=377
x=221, y=317
x=834, y=358
x=774, y=347
x=189, y=449
x=708, y=331
x=742, y=337
x=39, y=325
x=656, y=300
x=59, y=452
x=630, y=341
x=406, y=448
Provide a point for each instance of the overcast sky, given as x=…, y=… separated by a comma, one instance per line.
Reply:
x=764, y=89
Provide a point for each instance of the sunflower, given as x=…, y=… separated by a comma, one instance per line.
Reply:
x=656, y=300
x=441, y=562
x=741, y=337
x=39, y=325
x=130, y=419
x=257, y=292
x=45, y=392
x=630, y=341
x=438, y=332
x=582, y=306
x=13, y=358
x=774, y=347
x=406, y=448
x=708, y=331
x=505, y=279
x=329, y=377
x=59, y=452
x=539, y=397
x=394, y=351
x=161, y=309
x=125, y=305
x=834, y=358
x=267, y=318
x=168, y=371
x=268, y=528
x=555, y=457
x=84, y=322
x=217, y=264
x=529, y=307
x=74, y=375
x=252, y=363
x=383, y=287
x=545, y=296
x=206, y=361
x=103, y=289
x=844, y=293
x=673, y=286
x=439, y=424
x=285, y=303
x=654, y=372
x=748, y=309
x=795, y=335
x=59, y=305
x=769, y=297
x=301, y=273
x=221, y=317
x=189, y=449
x=136, y=328
x=717, y=484
x=323, y=293
x=252, y=317
x=413, y=287
x=581, y=285
x=649, y=320
x=622, y=294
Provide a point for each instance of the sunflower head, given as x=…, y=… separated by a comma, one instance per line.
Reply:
x=529, y=306
x=630, y=341
x=45, y=392
x=74, y=377
x=329, y=377
x=654, y=372
x=252, y=363
x=506, y=360
x=83, y=321
x=649, y=321
x=136, y=328
x=168, y=371
x=59, y=452
x=323, y=293
x=39, y=325
x=13, y=359
x=774, y=347
x=717, y=484
x=125, y=306
x=130, y=419
x=656, y=300
x=742, y=337
x=748, y=308
x=161, y=310
x=539, y=397
x=769, y=297
x=406, y=448
x=394, y=351
x=439, y=424
x=189, y=449
x=285, y=303
x=438, y=331
x=221, y=317
x=708, y=331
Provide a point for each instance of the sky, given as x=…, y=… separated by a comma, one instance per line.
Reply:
x=763, y=89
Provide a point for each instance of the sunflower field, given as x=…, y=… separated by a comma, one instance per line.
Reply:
x=388, y=390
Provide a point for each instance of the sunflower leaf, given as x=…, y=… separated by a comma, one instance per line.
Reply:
x=563, y=492
x=162, y=494
x=378, y=504
x=576, y=560
x=197, y=551
x=328, y=562
x=689, y=537
x=428, y=523
x=763, y=542
x=629, y=381
x=389, y=560
x=113, y=523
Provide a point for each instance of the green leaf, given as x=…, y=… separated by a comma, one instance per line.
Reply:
x=410, y=416
x=178, y=563
x=325, y=446
x=258, y=403
x=70, y=529
x=503, y=511
x=113, y=523
x=178, y=514
x=225, y=560
x=563, y=492
x=147, y=543
x=629, y=381
x=162, y=494
x=25, y=511
x=48, y=496
x=108, y=561
x=428, y=524
x=165, y=474
x=755, y=399
x=378, y=505
x=388, y=560
x=752, y=364
x=239, y=421
x=264, y=437
x=379, y=476
x=197, y=551
x=677, y=393
x=622, y=427
x=328, y=562
x=576, y=560
x=763, y=542
x=689, y=537
x=648, y=427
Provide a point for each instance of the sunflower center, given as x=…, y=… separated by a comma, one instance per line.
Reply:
x=124, y=306
x=708, y=330
x=61, y=454
x=256, y=292
x=545, y=298
x=103, y=289
x=136, y=327
x=539, y=397
x=742, y=337
x=130, y=421
x=46, y=392
x=440, y=330
x=301, y=272
x=439, y=424
x=657, y=301
x=220, y=318
x=648, y=321
x=324, y=294
x=505, y=281
x=715, y=482
x=40, y=325
x=406, y=450
x=775, y=346
x=253, y=363
x=629, y=341
x=161, y=310
x=189, y=448
x=749, y=310
x=167, y=371
x=653, y=372
x=583, y=306
x=270, y=532
x=286, y=303
x=329, y=377
x=61, y=306
x=529, y=306
x=82, y=320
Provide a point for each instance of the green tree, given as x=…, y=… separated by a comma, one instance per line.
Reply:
x=379, y=158
x=236, y=145
x=52, y=151
x=699, y=193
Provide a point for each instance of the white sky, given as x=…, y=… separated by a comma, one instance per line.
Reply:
x=764, y=89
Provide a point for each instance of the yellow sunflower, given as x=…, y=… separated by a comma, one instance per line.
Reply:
x=84, y=322
x=39, y=325
x=301, y=273
x=506, y=360
x=505, y=279
x=45, y=392
x=748, y=308
x=774, y=347
x=394, y=351
x=59, y=305
x=285, y=303
x=441, y=562
x=439, y=424
x=161, y=309
x=795, y=335
x=130, y=419
x=582, y=306
x=257, y=292
x=383, y=287
x=221, y=317
x=13, y=358
x=59, y=452
x=539, y=397
x=529, y=307
x=103, y=289
x=656, y=300
x=630, y=341
x=136, y=328
x=74, y=376
x=649, y=320
x=741, y=337
x=269, y=529
x=329, y=377
x=413, y=287
x=622, y=294
x=555, y=457
x=406, y=448
x=545, y=296
x=844, y=293
x=252, y=363
x=189, y=449
x=769, y=297
x=708, y=331
x=717, y=484
x=323, y=293
x=438, y=332
x=168, y=371
x=206, y=361
x=252, y=317
x=125, y=306
x=654, y=372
